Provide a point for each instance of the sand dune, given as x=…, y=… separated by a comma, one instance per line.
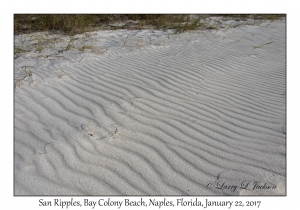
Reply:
x=153, y=113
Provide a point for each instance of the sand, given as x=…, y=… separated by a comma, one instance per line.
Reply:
x=151, y=112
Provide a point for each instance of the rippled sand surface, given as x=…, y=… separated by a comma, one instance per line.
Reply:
x=151, y=113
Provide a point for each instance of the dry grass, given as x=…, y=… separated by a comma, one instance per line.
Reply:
x=79, y=23
x=70, y=24
x=271, y=17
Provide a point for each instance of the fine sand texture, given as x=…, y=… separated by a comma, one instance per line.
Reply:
x=151, y=112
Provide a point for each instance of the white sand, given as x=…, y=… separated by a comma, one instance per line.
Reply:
x=151, y=113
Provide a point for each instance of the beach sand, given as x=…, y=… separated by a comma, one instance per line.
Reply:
x=151, y=112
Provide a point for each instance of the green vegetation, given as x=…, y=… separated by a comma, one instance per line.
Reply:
x=79, y=23
x=70, y=24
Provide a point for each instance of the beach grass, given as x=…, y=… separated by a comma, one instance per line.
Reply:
x=79, y=23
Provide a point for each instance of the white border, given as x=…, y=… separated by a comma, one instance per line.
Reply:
x=8, y=8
